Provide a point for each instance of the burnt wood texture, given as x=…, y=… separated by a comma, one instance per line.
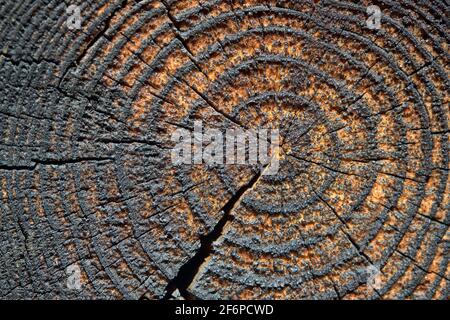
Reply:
x=87, y=182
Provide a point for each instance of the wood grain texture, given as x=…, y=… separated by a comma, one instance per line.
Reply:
x=86, y=178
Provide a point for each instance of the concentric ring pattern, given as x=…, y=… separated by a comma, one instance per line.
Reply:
x=87, y=182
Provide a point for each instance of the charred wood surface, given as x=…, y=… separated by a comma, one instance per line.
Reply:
x=87, y=182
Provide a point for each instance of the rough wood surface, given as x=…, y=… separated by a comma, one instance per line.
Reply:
x=86, y=178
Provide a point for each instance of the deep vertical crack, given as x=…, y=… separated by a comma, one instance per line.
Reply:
x=190, y=269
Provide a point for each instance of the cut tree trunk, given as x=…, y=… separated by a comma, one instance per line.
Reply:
x=91, y=205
